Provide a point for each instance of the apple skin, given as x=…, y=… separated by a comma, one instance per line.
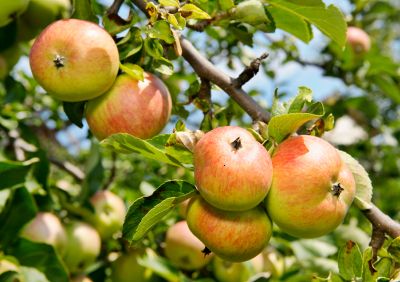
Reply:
x=74, y=60
x=140, y=108
x=109, y=213
x=358, y=39
x=83, y=246
x=46, y=228
x=10, y=10
x=226, y=271
x=39, y=14
x=233, y=236
x=302, y=200
x=228, y=178
x=127, y=269
x=183, y=249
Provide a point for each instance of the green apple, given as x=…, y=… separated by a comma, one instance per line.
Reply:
x=74, y=60
x=140, y=108
x=11, y=9
x=233, y=236
x=46, y=228
x=183, y=249
x=109, y=213
x=39, y=14
x=232, y=170
x=312, y=188
x=127, y=269
x=83, y=246
x=226, y=271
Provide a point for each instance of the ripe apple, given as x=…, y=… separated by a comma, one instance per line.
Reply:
x=46, y=228
x=127, y=269
x=233, y=236
x=358, y=39
x=312, y=188
x=140, y=108
x=232, y=170
x=81, y=278
x=183, y=249
x=74, y=60
x=109, y=213
x=83, y=246
x=226, y=271
x=39, y=14
x=11, y=9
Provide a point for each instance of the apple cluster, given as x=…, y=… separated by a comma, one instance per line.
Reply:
x=306, y=190
x=76, y=60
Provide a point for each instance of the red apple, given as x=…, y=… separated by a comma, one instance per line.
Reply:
x=83, y=246
x=140, y=108
x=312, y=188
x=233, y=236
x=74, y=60
x=46, y=228
x=232, y=170
x=109, y=213
x=183, y=249
x=358, y=39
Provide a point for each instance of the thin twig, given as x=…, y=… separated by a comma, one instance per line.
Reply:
x=68, y=167
x=113, y=172
x=250, y=71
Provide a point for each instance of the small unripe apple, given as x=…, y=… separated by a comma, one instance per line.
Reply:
x=140, y=108
x=232, y=170
x=11, y=9
x=233, y=236
x=226, y=271
x=46, y=228
x=109, y=213
x=127, y=269
x=358, y=39
x=183, y=249
x=74, y=60
x=312, y=188
x=83, y=246
x=39, y=14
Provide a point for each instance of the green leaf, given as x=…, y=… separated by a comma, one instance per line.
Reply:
x=135, y=71
x=304, y=96
x=252, y=12
x=225, y=5
x=164, y=66
x=82, y=9
x=131, y=44
x=13, y=173
x=388, y=86
x=169, y=3
x=94, y=174
x=153, y=48
x=190, y=11
x=10, y=276
x=159, y=265
x=394, y=249
x=281, y=126
x=152, y=148
x=40, y=256
x=350, y=261
x=115, y=24
x=145, y=212
x=381, y=268
x=162, y=30
x=327, y=19
x=75, y=112
x=363, y=182
x=20, y=208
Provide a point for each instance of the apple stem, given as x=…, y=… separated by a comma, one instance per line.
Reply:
x=59, y=61
x=337, y=189
x=206, y=251
x=237, y=144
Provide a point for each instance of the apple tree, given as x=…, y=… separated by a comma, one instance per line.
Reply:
x=225, y=140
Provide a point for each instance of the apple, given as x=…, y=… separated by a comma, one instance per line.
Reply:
x=74, y=60
x=11, y=9
x=46, y=228
x=81, y=278
x=312, y=188
x=83, y=246
x=127, y=269
x=39, y=14
x=226, y=271
x=109, y=213
x=140, y=108
x=358, y=39
x=183, y=249
x=232, y=170
x=233, y=236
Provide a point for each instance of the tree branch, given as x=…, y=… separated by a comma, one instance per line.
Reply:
x=68, y=167
x=250, y=71
x=381, y=221
x=205, y=69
